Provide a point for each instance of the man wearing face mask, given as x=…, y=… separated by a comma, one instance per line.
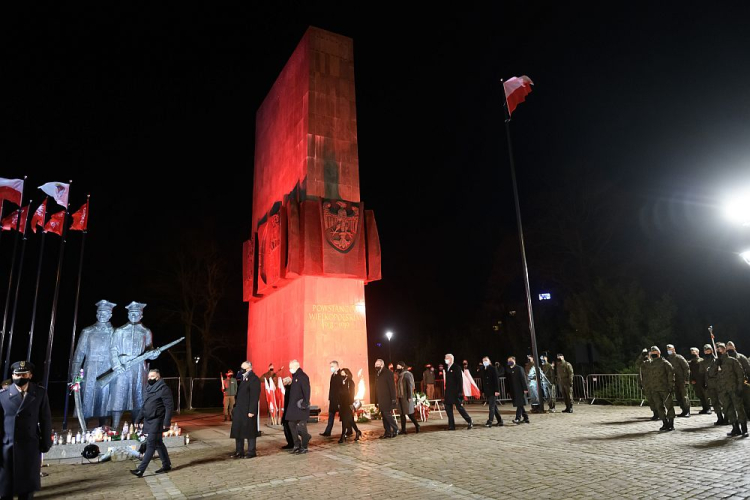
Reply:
x=732, y=351
x=712, y=383
x=333, y=397
x=698, y=379
x=26, y=433
x=245, y=414
x=454, y=393
x=405, y=393
x=730, y=386
x=519, y=389
x=681, y=379
x=659, y=382
x=565, y=381
x=491, y=389
x=156, y=416
x=386, y=391
x=299, y=408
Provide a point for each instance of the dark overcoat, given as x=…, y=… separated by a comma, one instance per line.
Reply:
x=518, y=384
x=248, y=395
x=158, y=405
x=299, y=397
x=490, y=382
x=454, y=384
x=26, y=434
x=386, y=388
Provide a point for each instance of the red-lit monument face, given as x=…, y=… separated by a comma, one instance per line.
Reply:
x=313, y=246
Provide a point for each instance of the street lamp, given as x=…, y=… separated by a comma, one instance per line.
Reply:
x=737, y=208
x=746, y=256
x=388, y=335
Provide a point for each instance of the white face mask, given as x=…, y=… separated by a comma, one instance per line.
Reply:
x=447, y=362
x=333, y=369
x=293, y=370
x=486, y=363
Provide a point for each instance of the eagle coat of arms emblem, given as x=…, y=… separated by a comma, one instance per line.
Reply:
x=341, y=221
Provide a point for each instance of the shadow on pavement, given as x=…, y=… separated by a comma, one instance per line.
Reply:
x=638, y=420
x=615, y=437
x=716, y=443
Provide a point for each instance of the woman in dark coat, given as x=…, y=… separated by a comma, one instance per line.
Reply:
x=245, y=414
x=346, y=399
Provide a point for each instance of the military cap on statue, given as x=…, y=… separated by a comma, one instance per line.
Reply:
x=105, y=305
x=135, y=306
x=20, y=367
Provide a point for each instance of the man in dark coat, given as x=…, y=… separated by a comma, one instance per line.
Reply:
x=518, y=388
x=454, y=393
x=26, y=433
x=156, y=415
x=245, y=414
x=298, y=410
x=287, y=381
x=491, y=389
x=333, y=397
x=386, y=389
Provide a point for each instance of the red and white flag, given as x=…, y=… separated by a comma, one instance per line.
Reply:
x=37, y=220
x=55, y=223
x=516, y=90
x=57, y=190
x=280, y=391
x=470, y=387
x=11, y=189
x=81, y=218
x=10, y=222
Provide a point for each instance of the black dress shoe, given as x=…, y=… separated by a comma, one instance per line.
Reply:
x=294, y=450
x=163, y=470
x=500, y=424
x=302, y=451
x=359, y=435
x=450, y=429
x=137, y=473
x=470, y=426
x=324, y=434
x=249, y=455
x=236, y=455
x=488, y=424
x=416, y=427
x=287, y=447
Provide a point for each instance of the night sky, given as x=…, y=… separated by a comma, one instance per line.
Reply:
x=152, y=111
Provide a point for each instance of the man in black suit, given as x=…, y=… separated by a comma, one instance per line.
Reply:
x=519, y=389
x=491, y=389
x=298, y=409
x=26, y=433
x=156, y=415
x=245, y=413
x=333, y=397
x=386, y=389
x=454, y=393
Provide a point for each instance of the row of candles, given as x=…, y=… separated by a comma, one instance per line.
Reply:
x=129, y=431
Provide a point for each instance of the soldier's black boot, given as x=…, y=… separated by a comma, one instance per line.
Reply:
x=743, y=425
x=655, y=417
x=719, y=421
x=735, y=430
x=664, y=427
x=671, y=424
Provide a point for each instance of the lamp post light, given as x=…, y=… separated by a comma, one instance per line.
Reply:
x=746, y=256
x=737, y=209
x=388, y=335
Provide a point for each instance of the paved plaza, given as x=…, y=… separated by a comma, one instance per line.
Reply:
x=597, y=452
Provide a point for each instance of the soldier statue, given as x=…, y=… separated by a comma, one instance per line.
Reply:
x=126, y=391
x=92, y=354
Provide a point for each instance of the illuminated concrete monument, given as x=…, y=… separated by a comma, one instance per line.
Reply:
x=313, y=245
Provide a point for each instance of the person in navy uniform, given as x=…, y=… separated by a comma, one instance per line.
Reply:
x=26, y=433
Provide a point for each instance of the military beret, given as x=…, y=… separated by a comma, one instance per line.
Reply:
x=22, y=367
x=707, y=346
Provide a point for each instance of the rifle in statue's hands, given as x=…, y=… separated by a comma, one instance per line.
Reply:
x=106, y=377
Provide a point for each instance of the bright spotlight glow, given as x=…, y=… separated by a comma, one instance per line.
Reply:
x=389, y=334
x=737, y=208
x=746, y=256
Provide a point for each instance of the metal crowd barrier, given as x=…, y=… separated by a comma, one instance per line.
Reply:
x=614, y=387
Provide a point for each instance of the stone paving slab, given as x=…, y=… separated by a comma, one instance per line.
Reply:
x=596, y=452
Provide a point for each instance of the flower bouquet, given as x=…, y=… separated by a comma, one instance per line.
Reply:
x=422, y=406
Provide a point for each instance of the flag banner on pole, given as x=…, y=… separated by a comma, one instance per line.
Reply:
x=280, y=391
x=81, y=218
x=55, y=223
x=11, y=189
x=10, y=222
x=516, y=90
x=470, y=386
x=57, y=190
x=37, y=220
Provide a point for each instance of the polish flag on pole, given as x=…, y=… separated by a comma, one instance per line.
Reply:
x=81, y=219
x=39, y=215
x=269, y=400
x=55, y=223
x=516, y=90
x=280, y=391
x=11, y=221
x=57, y=190
x=11, y=189
x=272, y=398
x=470, y=387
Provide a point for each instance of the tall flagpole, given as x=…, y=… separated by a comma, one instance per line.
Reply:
x=12, y=270
x=50, y=339
x=534, y=350
x=18, y=289
x=38, y=276
x=75, y=315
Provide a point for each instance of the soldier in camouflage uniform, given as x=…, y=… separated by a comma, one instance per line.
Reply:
x=659, y=382
x=698, y=379
x=731, y=380
x=565, y=381
x=643, y=373
x=745, y=363
x=681, y=379
x=712, y=383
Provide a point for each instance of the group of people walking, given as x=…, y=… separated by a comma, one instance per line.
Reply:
x=720, y=380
